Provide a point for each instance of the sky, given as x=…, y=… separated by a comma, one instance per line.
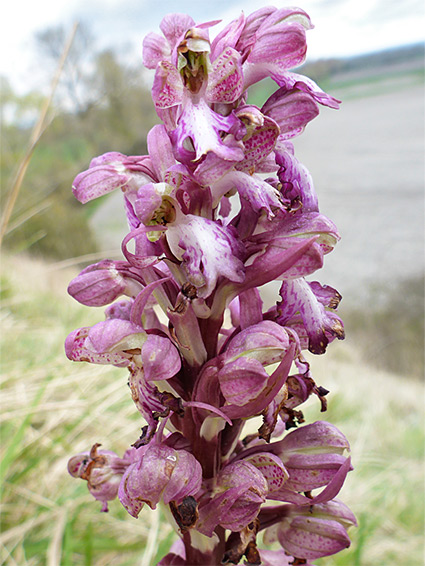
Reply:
x=342, y=27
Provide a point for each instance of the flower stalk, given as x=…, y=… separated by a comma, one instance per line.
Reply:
x=218, y=208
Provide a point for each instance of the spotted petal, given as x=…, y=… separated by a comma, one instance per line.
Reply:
x=225, y=80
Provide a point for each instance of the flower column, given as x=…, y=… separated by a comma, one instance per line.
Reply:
x=219, y=207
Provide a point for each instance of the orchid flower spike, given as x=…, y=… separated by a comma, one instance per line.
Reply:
x=218, y=208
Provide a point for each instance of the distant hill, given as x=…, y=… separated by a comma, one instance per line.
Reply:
x=406, y=58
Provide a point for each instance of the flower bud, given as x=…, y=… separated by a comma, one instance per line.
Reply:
x=161, y=473
x=334, y=510
x=265, y=342
x=102, y=283
x=120, y=309
x=310, y=533
x=312, y=454
x=242, y=380
x=245, y=507
x=239, y=493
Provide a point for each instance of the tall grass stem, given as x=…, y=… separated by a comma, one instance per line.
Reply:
x=42, y=124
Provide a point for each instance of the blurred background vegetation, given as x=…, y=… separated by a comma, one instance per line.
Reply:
x=100, y=105
x=52, y=408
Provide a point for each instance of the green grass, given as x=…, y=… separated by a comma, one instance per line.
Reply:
x=52, y=408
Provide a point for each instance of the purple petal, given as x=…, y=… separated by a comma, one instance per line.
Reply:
x=276, y=381
x=228, y=37
x=173, y=26
x=279, y=258
x=242, y=380
x=176, y=556
x=208, y=251
x=160, y=358
x=234, y=475
x=111, y=171
x=147, y=202
x=297, y=295
x=252, y=24
x=319, y=435
x=148, y=400
x=311, y=472
x=283, y=43
x=260, y=194
x=241, y=489
x=292, y=80
x=141, y=258
x=211, y=168
x=312, y=454
x=115, y=335
x=225, y=80
x=276, y=558
x=335, y=509
x=142, y=299
x=286, y=15
x=326, y=295
x=260, y=140
x=98, y=284
x=313, y=223
x=296, y=181
x=266, y=341
x=311, y=538
x=161, y=473
x=271, y=467
x=120, y=309
x=98, y=181
x=250, y=310
x=291, y=110
x=167, y=89
x=211, y=513
x=185, y=480
x=329, y=492
x=77, y=351
x=204, y=128
x=160, y=150
x=155, y=50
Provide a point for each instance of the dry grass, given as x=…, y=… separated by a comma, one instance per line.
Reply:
x=52, y=409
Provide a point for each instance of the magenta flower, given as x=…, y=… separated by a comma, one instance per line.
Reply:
x=160, y=474
x=315, y=533
x=218, y=208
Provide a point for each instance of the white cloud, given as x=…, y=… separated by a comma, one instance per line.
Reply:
x=342, y=27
